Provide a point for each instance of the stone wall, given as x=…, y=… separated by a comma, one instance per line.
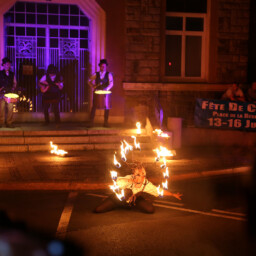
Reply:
x=143, y=55
x=233, y=33
x=142, y=40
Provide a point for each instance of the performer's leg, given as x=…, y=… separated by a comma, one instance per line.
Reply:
x=144, y=205
x=9, y=118
x=107, y=205
x=106, y=114
x=2, y=111
x=56, y=111
x=46, y=113
x=92, y=115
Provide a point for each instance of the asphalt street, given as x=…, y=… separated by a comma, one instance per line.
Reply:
x=211, y=219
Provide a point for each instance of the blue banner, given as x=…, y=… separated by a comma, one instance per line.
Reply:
x=225, y=114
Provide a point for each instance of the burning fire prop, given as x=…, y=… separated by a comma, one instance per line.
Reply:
x=138, y=125
x=115, y=188
x=160, y=133
x=55, y=150
x=163, y=152
x=125, y=148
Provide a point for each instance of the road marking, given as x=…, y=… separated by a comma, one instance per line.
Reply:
x=232, y=213
x=65, y=216
x=96, y=195
x=190, y=210
x=201, y=212
x=167, y=202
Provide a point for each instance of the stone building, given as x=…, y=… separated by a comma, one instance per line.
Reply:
x=161, y=52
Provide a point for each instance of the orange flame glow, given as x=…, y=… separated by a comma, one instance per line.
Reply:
x=113, y=175
x=57, y=151
x=116, y=163
x=138, y=125
x=160, y=133
x=163, y=152
x=165, y=184
x=136, y=145
x=164, y=164
x=166, y=173
x=160, y=191
x=128, y=147
x=123, y=156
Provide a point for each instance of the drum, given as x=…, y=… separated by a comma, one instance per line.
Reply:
x=11, y=97
x=102, y=99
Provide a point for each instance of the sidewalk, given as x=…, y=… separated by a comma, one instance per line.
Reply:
x=89, y=170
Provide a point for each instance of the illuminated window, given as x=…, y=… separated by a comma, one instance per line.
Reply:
x=185, y=39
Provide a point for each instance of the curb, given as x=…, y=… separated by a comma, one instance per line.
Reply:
x=76, y=186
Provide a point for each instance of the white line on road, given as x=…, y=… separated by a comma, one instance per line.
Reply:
x=65, y=216
x=96, y=195
x=201, y=212
x=232, y=213
x=167, y=202
x=190, y=210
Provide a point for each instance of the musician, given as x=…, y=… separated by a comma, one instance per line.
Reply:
x=8, y=84
x=101, y=80
x=51, y=85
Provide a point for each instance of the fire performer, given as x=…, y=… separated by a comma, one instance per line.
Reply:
x=51, y=85
x=101, y=81
x=136, y=186
x=7, y=85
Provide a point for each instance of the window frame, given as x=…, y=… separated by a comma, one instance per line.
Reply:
x=205, y=44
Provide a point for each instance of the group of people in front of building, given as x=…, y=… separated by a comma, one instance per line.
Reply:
x=51, y=85
x=235, y=93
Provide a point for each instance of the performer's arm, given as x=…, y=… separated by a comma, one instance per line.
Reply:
x=91, y=81
x=44, y=86
x=110, y=79
x=176, y=195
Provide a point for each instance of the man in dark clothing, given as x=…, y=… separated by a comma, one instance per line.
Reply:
x=51, y=85
x=7, y=85
x=101, y=81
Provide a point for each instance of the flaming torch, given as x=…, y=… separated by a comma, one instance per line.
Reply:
x=115, y=187
x=116, y=163
x=166, y=173
x=138, y=125
x=57, y=151
x=164, y=164
x=160, y=133
x=128, y=147
x=160, y=191
x=136, y=145
x=123, y=156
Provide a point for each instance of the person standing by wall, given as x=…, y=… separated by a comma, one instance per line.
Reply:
x=8, y=84
x=101, y=80
x=51, y=85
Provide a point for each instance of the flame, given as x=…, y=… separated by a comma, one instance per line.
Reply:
x=166, y=173
x=57, y=151
x=163, y=152
x=138, y=125
x=123, y=157
x=113, y=175
x=165, y=184
x=116, y=163
x=137, y=145
x=160, y=191
x=160, y=133
x=115, y=188
x=127, y=147
x=164, y=164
